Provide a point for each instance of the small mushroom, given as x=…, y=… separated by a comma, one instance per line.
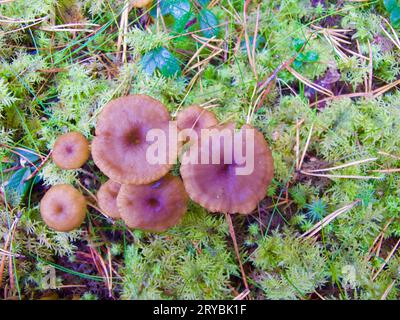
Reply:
x=120, y=147
x=153, y=207
x=71, y=150
x=63, y=208
x=107, y=198
x=196, y=118
x=218, y=187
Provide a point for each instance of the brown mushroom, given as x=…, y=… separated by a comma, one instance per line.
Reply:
x=71, y=150
x=196, y=118
x=218, y=187
x=153, y=207
x=107, y=198
x=120, y=146
x=141, y=3
x=63, y=208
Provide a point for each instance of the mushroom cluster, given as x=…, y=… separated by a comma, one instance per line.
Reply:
x=141, y=193
x=144, y=194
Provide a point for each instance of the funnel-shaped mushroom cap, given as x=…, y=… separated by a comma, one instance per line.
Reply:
x=70, y=151
x=107, y=198
x=218, y=186
x=63, y=208
x=196, y=118
x=153, y=207
x=120, y=147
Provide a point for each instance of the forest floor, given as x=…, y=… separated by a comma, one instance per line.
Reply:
x=320, y=79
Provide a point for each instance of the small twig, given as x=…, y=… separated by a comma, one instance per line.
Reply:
x=387, y=291
x=242, y=295
x=380, y=236
x=386, y=260
x=343, y=165
x=40, y=166
x=340, y=176
x=309, y=83
x=306, y=146
x=318, y=226
x=7, y=242
x=233, y=236
x=298, y=124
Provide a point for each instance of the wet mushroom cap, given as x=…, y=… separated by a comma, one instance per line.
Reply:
x=63, y=208
x=120, y=146
x=107, y=198
x=196, y=118
x=71, y=150
x=218, y=187
x=153, y=207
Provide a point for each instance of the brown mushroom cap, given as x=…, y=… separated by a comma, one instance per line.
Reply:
x=107, y=198
x=196, y=118
x=63, y=208
x=71, y=150
x=141, y=3
x=218, y=188
x=153, y=207
x=120, y=146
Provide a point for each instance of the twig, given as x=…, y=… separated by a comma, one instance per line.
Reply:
x=298, y=124
x=306, y=146
x=340, y=176
x=242, y=295
x=318, y=226
x=343, y=165
x=387, y=291
x=233, y=236
x=386, y=260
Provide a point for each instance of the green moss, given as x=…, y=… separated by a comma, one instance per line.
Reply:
x=53, y=82
x=188, y=262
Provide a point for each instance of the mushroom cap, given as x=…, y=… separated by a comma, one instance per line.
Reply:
x=153, y=207
x=218, y=188
x=196, y=118
x=141, y=3
x=63, y=208
x=71, y=150
x=107, y=198
x=119, y=147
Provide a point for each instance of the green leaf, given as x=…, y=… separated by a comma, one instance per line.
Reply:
x=203, y=3
x=176, y=8
x=395, y=17
x=297, y=64
x=301, y=57
x=390, y=4
x=177, y=13
x=208, y=23
x=298, y=44
x=162, y=60
x=311, y=56
x=17, y=187
x=260, y=43
x=27, y=154
x=180, y=24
